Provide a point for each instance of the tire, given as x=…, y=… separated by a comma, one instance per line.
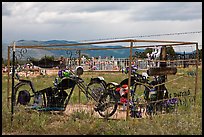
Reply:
x=97, y=89
x=137, y=91
x=107, y=105
x=24, y=96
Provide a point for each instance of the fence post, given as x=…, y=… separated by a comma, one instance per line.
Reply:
x=13, y=74
x=129, y=80
x=196, y=78
x=79, y=76
x=8, y=80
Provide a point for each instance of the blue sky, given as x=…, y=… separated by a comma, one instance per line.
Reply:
x=98, y=20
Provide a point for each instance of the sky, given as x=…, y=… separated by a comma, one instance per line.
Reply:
x=80, y=21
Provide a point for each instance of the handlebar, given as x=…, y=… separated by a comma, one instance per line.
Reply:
x=139, y=77
x=133, y=70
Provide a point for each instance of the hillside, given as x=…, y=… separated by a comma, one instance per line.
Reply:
x=118, y=53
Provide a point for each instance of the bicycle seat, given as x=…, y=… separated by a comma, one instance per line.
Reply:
x=66, y=83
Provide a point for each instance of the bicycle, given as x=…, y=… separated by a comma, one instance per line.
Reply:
x=151, y=100
x=56, y=98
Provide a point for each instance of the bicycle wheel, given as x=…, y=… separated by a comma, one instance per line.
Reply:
x=97, y=88
x=139, y=93
x=107, y=105
x=24, y=96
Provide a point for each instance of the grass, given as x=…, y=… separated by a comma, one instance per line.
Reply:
x=183, y=122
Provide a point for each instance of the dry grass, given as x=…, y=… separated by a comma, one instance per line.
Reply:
x=184, y=122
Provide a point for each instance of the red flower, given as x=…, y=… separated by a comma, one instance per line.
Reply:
x=123, y=100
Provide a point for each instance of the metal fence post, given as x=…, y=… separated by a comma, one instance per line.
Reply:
x=79, y=65
x=13, y=74
x=8, y=79
x=129, y=80
x=196, y=78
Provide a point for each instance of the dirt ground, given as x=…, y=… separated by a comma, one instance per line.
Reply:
x=119, y=114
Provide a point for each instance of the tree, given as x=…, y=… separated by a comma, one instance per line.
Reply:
x=48, y=58
x=170, y=52
x=147, y=50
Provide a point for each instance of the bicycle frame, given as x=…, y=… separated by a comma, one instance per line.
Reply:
x=78, y=81
x=83, y=87
x=85, y=90
x=56, y=98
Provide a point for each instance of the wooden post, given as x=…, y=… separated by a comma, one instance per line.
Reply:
x=196, y=78
x=79, y=76
x=79, y=57
x=163, y=56
x=129, y=80
x=13, y=75
x=8, y=79
x=184, y=58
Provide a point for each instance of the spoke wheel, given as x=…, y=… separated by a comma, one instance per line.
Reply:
x=107, y=105
x=24, y=96
x=96, y=89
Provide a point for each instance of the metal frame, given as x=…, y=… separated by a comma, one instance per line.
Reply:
x=131, y=41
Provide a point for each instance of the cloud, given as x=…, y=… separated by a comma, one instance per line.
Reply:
x=102, y=6
x=6, y=9
x=92, y=20
x=167, y=11
x=137, y=11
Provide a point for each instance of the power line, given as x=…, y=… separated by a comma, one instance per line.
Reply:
x=142, y=36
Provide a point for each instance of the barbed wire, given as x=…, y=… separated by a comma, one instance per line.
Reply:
x=142, y=36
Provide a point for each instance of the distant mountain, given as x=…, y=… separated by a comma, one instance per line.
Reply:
x=37, y=53
x=35, y=42
x=182, y=53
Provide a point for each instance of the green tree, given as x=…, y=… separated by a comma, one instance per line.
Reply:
x=170, y=52
x=148, y=50
x=142, y=54
x=48, y=58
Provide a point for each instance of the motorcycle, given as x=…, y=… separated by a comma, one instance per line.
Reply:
x=56, y=98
